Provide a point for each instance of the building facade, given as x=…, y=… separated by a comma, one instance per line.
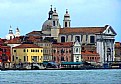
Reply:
x=62, y=52
x=27, y=53
x=90, y=56
x=77, y=52
x=47, y=50
x=117, y=51
x=5, y=55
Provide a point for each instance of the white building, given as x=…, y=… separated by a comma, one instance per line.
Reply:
x=77, y=51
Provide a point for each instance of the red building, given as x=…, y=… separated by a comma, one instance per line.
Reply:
x=2, y=41
x=62, y=52
x=90, y=56
x=5, y=54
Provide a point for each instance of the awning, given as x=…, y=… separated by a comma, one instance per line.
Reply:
x=71, y=63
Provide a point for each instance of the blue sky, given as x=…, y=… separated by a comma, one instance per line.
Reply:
x=29, y=15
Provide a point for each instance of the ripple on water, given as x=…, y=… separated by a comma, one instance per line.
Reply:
x=61, y=76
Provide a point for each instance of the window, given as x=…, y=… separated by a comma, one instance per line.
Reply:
x=77, y=58
x=66, y=58
x=38, y=58
x=69, y=51
x=54, y=51
x=24, y=58
x=108, y=30
x=53, y=23
x=62, y=51
x=4, y=50
x=14, y=50
x=1, y=49
x=54, y=58
x=62, y=58
x=33, y=50
x=27, y=50
x=16, y=58
x=76, y=49
x=92, y=39
x=27, y=58
x=41, y=50
x=13, y=58
x=62, y=39
x=10, y=37
x=77, y=38
x=66, y=51
x=65, y=24
x=82, y=48
x=57, y=22
x=24, y=50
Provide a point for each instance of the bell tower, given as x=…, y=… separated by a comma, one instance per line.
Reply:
x=66, y=21
x=55, y=25
x=55, y=20
x=17, y=34
x=50, y=13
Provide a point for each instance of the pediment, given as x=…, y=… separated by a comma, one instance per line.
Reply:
x=109, y=30
x=76, y=43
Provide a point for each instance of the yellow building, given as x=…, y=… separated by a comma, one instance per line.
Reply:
x=27, y=53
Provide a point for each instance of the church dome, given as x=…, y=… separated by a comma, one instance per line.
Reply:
x=47, y=25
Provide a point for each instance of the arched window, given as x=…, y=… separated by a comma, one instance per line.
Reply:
x=66, y=58
x=54, y=58
x=62, y=58
x=65, y=24
x=76, y=49
x=53, y=23
x=10, y=37
x=62, y=39
x=69, y=24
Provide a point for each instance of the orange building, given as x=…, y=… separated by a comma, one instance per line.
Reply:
x=62, y=52
x=90, y=56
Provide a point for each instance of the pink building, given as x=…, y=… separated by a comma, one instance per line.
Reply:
x=62, y=52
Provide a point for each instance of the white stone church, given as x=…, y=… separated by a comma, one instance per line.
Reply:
x=102, y=37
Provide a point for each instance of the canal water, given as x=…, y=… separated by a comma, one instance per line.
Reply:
x=110, y=76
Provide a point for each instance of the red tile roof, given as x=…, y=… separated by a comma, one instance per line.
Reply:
x=34, y=38
x=63, y=44
x=16, y=40
x=27, y=46
x=87, y=30
x=34, y=33
x=89, y=53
